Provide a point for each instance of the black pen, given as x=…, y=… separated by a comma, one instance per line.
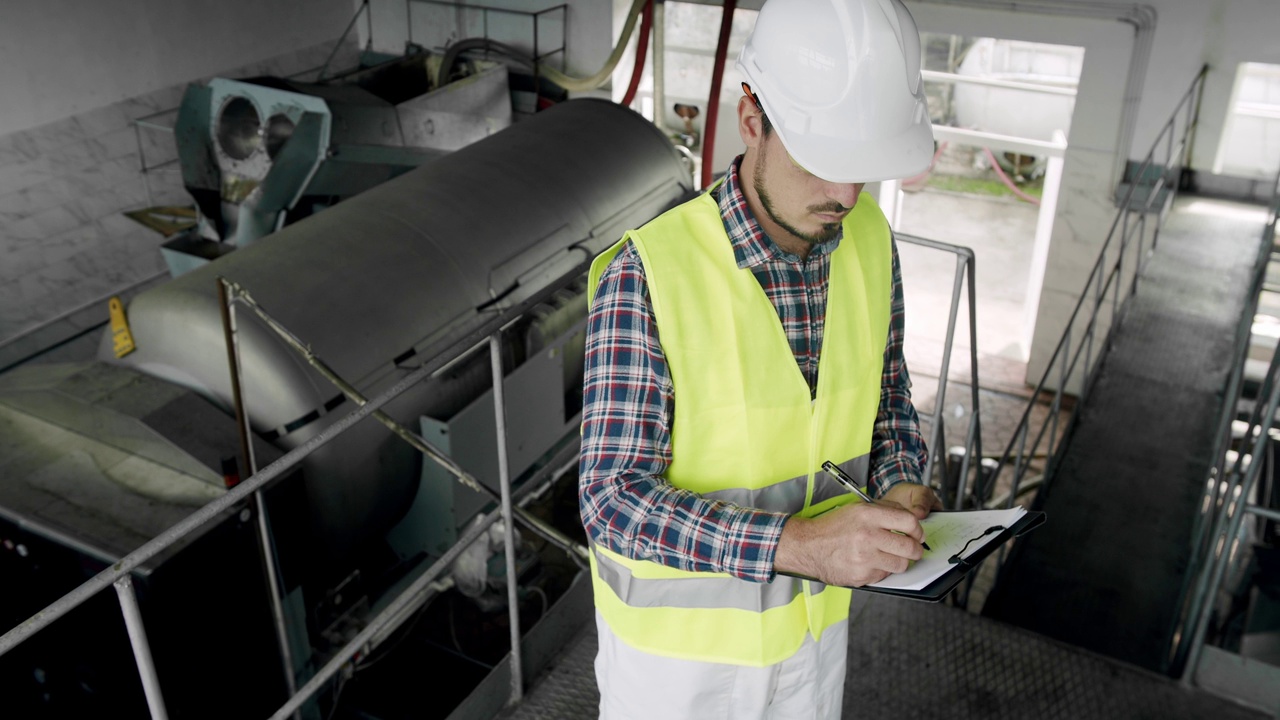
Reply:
x=835, y=472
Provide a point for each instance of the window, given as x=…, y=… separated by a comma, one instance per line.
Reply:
x=1250, y=145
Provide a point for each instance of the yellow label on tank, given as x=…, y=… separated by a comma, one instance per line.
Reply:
x=121, y=338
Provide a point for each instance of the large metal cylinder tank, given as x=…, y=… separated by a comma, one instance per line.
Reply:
x=378, y=277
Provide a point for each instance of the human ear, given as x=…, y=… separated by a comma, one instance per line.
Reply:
x=750, y=124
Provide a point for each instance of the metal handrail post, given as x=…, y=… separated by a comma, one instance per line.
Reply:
x=1115, y=294
x=508, y=530
x=141, y=648
x=266, y=546
x=973, y=441
x=939, y=405
x=1262, y=512
x=964, y=261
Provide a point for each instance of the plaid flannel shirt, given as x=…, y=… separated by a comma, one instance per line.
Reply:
x=626, y=504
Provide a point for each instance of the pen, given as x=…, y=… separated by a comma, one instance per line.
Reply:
x=835, y=472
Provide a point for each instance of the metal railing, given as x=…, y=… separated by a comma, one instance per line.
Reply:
x=539, y=53
x=1126, y=249
x=964, y=271
x=439, y=357
x=1219, y=527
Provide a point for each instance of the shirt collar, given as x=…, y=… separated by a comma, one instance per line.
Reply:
x=751, y=246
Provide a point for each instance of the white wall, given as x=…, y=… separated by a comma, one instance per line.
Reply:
x=63, y=57
x=1190, y=33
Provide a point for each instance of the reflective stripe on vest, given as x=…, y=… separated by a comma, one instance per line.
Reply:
x=746, y=431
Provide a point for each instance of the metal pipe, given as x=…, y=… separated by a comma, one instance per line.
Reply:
x=973, y=438
x=267, y=551
x=266, y=548
x=231, y=339
x=997, y=141
x=1267, y=513
x=141, y=648
x=952, y=313
x=964, y=259
x=508, y=530
x=954, y=79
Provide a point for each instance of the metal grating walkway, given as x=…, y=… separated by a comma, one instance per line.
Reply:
x=914, y=660
x=1107, y=572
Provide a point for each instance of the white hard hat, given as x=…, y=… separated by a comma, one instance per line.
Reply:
x=840, y=82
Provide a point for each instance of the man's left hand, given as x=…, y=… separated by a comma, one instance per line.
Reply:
x=919, y=499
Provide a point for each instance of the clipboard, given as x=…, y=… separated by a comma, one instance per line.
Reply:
x=940, y=587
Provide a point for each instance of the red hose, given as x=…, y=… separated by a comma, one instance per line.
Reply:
x=1005, y=179
x=713, y=103
x=642, y=50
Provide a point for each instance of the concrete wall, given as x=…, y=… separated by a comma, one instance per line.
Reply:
x=65, y=57
x=75, y=76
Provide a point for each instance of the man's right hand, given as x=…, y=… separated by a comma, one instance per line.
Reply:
x=852, y=545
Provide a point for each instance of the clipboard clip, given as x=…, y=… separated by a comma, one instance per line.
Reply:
x=959, y=559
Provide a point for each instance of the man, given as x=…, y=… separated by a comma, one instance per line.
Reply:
x=735, y=344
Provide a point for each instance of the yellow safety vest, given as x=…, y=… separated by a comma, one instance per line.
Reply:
x=746, y=430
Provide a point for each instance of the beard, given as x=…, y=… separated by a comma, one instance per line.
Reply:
x=826, y=231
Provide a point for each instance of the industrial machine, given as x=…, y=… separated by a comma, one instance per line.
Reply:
x=97, y=457
x=260, y=153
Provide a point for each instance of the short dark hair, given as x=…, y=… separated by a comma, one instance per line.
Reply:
x=766, y=126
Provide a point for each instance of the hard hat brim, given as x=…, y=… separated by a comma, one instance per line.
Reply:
x=841, y=160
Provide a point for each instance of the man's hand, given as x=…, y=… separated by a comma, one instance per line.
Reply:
x=852, y=545
x=920, y=500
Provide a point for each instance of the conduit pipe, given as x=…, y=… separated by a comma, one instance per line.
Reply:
x=713, y=102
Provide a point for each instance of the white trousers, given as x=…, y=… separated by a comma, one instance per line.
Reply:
x=636, y=685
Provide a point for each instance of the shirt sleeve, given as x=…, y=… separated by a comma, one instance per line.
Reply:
x=897, y=450
x=626, y=504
